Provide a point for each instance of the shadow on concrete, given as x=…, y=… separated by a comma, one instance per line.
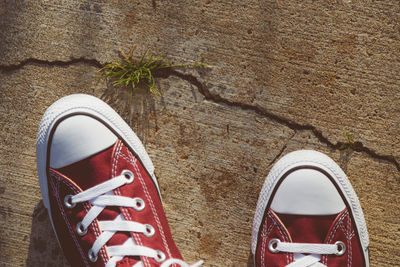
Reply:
x=43, y=247
x=138, y=110
x=250, y=261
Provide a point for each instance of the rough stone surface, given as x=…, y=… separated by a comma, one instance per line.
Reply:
x=286, y=75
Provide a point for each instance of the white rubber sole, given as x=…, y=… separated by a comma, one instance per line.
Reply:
x=319, y=160
x=91, y=106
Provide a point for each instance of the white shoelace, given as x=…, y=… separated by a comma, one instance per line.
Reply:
x=315, y=251
x=101, y=196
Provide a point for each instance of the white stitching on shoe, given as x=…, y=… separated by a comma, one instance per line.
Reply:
x=95, y=226
x=265, y=238
x=333, y=232
x=117, y=191
x=347, y=230
x=283, y=234
x=115, y=159
x=133, y=161
x=349, y=237
x=270, y=227
x=59, y=202
x=96, y=229
x=263, y=245
x=151, y=205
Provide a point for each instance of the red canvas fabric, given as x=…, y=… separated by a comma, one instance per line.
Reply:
x=342, y=229
x=309, y=229
x=90, y=172
x=272, y=228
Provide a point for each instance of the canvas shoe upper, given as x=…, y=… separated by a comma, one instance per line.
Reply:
x=99, y=188
x=308, y=215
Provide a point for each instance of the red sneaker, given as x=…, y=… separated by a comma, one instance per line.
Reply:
x=308, y=215
x=99, y=188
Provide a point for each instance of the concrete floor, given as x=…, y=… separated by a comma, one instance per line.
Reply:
x=285, y=75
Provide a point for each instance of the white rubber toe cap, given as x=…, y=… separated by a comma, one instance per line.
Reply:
x=77, y=138
x=307, y=192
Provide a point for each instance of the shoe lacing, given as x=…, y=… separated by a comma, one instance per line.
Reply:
x=314, y=250
x=101, y=196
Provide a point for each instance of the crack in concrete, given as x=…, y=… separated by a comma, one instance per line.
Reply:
x=282, y=150
x=344, y=158
x=216, y=98
x=48, y=63
x=357, y=146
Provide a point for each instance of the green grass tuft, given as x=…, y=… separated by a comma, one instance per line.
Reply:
x=349, y=141
x=136, y=74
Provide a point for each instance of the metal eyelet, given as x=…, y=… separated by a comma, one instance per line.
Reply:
x=68, y=202
x=273, y=244
x=80, y=230
x=160, y=257
x=149, y=230
x=128, y=176
x=341, y=248
x=139, y=204
x=92, y=256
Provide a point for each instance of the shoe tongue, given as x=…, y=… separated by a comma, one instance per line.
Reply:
x=91, y=171
x=307, y=228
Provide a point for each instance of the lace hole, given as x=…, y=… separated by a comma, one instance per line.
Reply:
x=341, y=248
x=128, y=176
x=68, y=202
x=80, y=230
x=149, y=230
x=92, y=256
x=160, y=257
x=273, y=245
x=139, y=204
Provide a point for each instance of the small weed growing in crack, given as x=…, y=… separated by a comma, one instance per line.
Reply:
x=349, y=141
x=137, y=74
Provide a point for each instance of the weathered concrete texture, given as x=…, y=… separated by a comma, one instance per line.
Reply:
x=286, y=75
